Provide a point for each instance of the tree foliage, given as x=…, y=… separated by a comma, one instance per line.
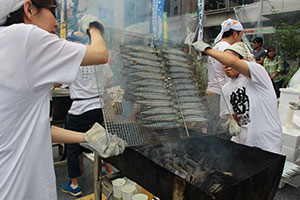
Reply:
x=287, y=40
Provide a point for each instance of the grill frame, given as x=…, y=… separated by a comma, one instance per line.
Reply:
x=163, y=183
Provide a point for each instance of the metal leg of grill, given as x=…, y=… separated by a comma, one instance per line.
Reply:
x=102, y=183
x=97, y=177
x=178, y=189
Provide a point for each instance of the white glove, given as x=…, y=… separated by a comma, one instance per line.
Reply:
x=200, y=46
x=233, y=128
x=105, y=144
x=87, y=20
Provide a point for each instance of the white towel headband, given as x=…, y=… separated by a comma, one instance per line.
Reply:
x=227, y=25
x=7, y=7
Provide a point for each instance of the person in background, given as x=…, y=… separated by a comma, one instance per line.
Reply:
x=258, y=52
x=251, y=95
x=32, y=59
x=264, y=48
x=274, y=66
x=231, y=32
x=86, y=109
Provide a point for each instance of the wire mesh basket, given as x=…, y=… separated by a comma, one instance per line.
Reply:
x=156, y=91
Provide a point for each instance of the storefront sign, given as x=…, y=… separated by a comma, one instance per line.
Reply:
x=63, y=33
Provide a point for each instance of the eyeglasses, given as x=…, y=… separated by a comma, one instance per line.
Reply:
x=52, y=8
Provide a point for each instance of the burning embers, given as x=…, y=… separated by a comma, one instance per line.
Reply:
x=200, y=172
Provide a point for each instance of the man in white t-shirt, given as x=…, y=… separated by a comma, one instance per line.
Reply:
x=86, y=109
x=231, y=32
x=250, y=93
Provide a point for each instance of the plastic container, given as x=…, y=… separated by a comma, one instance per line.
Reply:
x=117, y=185
x=128, y=191
x=139, y=196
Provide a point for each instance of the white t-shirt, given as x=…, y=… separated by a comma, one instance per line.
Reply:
x=31, y=61
x=253, y=100
x=215, y=73
x=89, y=85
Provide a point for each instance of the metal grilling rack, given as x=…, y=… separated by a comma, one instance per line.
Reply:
x=155, y=95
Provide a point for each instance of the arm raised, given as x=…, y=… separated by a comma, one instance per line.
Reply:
x=230, y=59
x=96, y=52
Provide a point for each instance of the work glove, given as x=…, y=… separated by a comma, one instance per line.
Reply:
x=295, y=105
x=200, y=46
x=88, y=21
x=233, y=128
x=105, y=144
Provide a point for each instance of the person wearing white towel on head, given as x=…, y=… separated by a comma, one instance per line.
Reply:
x=32, y=59
x=231, y=32
x=250, y=93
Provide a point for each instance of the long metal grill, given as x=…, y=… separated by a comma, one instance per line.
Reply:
x=155, y=95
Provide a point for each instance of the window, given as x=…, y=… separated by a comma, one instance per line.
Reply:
x=234, y=3
x=214, y=4
x=224, y=4
x=175, y=11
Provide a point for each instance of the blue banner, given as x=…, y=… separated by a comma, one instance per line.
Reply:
x=200, y=6
x=158, y=21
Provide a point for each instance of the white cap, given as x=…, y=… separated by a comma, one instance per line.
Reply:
x=7, y=7
x=227, y=25
x=242, y=49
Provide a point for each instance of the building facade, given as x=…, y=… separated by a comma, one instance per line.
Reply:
x=257, y=16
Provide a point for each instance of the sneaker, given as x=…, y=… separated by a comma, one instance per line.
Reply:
x=66, y=188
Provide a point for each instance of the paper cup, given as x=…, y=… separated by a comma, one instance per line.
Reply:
x=139, y=196
x=117, y=185
x=127, y=191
